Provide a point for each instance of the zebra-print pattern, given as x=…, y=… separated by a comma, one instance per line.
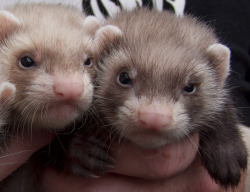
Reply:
x=104, y=8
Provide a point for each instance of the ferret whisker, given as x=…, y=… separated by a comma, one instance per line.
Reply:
x=97, y=116
x=50, y=144
x=94, y=113
x=91, y=116
x=243, y=107
x=26, y=117
x=11, y=163
x=207, y=155
x=201, y=125
x=8, y=100
x=124, y=131
x=20, y=116
x=85, y=118
x=61, y=144
x=13, y=154
x=82, y=123
x=94, y=110
x=43, y=113
x=101, y=98
x=196, y=146
x=72, y=129
x=112, y=141
x=33, y=117
x=29, y=107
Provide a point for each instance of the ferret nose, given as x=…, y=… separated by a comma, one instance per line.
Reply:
x=68, y=88
x=155, y=117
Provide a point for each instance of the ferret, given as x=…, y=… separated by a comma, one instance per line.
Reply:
x=161, y=78
x=46, y=54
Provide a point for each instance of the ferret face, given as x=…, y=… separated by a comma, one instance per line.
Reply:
x=49, y=59
x=156, y=92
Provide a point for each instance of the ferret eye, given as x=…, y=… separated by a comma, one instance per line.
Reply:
x=26, y=62
x=124, y=79
x=88, y=62
x=190, y=88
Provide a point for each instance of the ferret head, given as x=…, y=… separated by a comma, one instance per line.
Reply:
x=46, y=52
x=160, y=77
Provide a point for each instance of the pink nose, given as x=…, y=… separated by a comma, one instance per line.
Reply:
x=68, y=88
x=155, y=118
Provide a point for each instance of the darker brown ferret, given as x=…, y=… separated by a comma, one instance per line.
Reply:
x=161, y=78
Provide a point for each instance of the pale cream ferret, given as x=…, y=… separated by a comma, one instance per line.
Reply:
x=46, y=53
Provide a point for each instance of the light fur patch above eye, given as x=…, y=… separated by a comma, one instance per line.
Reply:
x=88, y=86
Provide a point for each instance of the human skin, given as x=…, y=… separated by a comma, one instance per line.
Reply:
x=20, y=149
x=175, y=167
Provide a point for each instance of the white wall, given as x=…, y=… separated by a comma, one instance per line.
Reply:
x=77, y=3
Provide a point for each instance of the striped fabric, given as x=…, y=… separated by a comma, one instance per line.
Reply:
x=104, y=8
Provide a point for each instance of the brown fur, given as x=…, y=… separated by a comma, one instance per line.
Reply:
x=162, y=53
x=148, y=48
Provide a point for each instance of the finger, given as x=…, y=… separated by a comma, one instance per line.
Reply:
x=56, y=182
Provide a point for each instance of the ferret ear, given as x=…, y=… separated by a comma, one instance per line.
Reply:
x=8, y=22
x=91, y=24
x=105, y=37
x=220, y=56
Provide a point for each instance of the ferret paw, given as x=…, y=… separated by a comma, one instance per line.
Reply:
x=225, y=164
x=89, y=157
x=7, y=93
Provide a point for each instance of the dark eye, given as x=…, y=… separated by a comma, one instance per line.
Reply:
x=26, y=62
x=190, y=88
x=88, y=62
x=124, y=79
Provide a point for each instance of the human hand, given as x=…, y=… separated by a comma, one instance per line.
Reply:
x=175, y=167
x=20, y=149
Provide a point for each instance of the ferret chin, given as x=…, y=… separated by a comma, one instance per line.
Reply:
x=59, y=116
x=162, y=78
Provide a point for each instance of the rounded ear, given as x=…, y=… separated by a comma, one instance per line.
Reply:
x=220, y=57
x=8, y=23
x=91, y=24
x=105, y=37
